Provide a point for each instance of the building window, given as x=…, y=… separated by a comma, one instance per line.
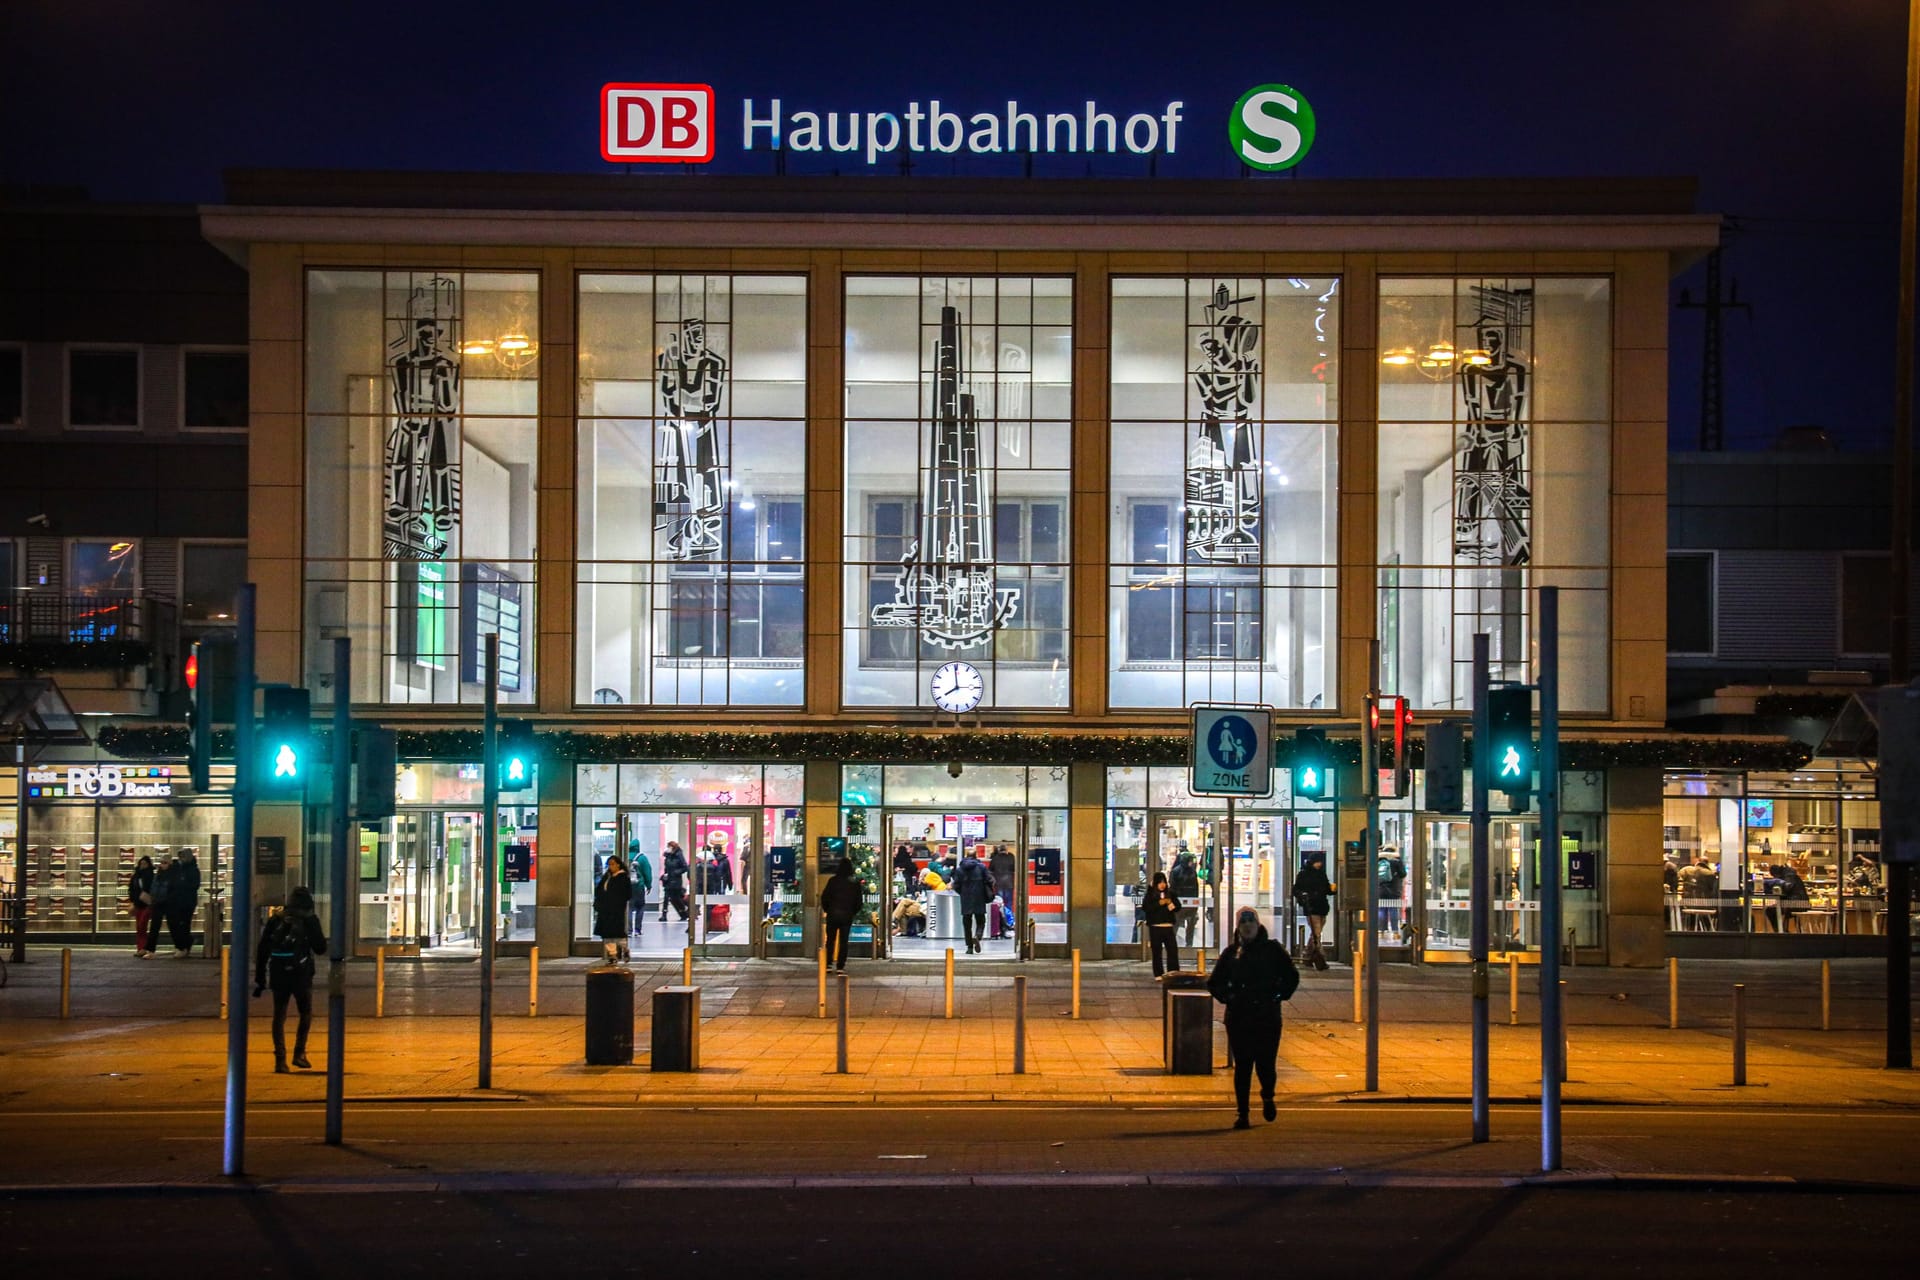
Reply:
x=1224, y=409
x=213, y=390
x=13, y=386
x=1690, y=602
x=211, y=575
x=1864, y=583
x=421, y=521
x=97, y=566
x=1494, y=480
x=692, y=452
x=103, y=387
x=958, y=442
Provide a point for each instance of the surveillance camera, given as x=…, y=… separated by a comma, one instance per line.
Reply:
x=40, y=520
x=953, y=769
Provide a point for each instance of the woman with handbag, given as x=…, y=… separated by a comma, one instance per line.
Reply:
x=140, y=894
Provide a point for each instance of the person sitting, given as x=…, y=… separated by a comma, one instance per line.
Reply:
x=931, y=879
x=909, y=918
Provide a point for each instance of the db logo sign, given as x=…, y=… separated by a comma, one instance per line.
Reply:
x=657, y=123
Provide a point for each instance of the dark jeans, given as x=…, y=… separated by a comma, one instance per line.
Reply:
x=839, y=936
x=1254, y=1046
x=1166, y=953
x=974, y=923
x=638, y=908
x=301, y=995
x=675, y=898
x=180, y=925
x=1188, y=918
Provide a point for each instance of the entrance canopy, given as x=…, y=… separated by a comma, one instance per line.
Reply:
x=33, y=708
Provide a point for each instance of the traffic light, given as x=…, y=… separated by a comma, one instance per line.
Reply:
x=285, y=745
x=517, y=755
x=1311, y=764
x=1446, y=767
x=378, y=757
x=199, y=726
x=1510, y=748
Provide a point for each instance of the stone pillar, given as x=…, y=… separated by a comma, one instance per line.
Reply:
x=822, y=819
x=1636, y=901
x=1087, y=858
x=553, y=887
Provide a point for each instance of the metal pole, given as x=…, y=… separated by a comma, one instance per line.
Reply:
x=380, y=982
x=1019, y=1024
x=66, y=983
x=1739, y=1033
x=240, y=892
x=1673, y=993
x=1233, y=840
x=686, y=966
x=337, y=909
x=1547, y=879
x=1513, y=989
x=840, y=1032
x=226, y=964
x=949, y=982
x=823, y=981
x=1482, y=906
x=1826, y=995
x=20, y=848
x=1900, y=569
x=490, y=781
x=533, y=982
x=1076, y=982
x=1370, y=767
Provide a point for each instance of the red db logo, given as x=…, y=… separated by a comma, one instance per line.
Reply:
x=656, y=122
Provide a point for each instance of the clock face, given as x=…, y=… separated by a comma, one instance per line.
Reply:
x=956, y=687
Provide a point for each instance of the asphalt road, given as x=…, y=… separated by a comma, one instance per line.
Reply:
x=1073, y=1232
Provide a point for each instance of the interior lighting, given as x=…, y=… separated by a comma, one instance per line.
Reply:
x=1398, y=356
x=1439, y=353
x=477, y=347
x=1476, y=356
x=516, y=342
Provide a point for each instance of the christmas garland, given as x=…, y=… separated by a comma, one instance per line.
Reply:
x=35, y=656
x=1168, y=748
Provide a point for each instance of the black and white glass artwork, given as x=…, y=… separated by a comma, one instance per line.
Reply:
x=1223, y=457
x=1492, y=503
x=690, y=497
x=422, y=480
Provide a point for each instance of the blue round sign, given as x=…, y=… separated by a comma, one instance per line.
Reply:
x=1231, y=743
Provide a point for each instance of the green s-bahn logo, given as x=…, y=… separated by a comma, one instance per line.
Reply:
x=1271, y=127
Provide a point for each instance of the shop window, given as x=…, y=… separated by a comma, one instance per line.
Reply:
x=211, y=575
x=958, y=444
x=1224, y=407
x=692, y=475
x=1493, y=479
x=103, y=387
x=13, y=386
x=1690, y=602
x=213, y=389
x=1864, y=583
x=422, y=399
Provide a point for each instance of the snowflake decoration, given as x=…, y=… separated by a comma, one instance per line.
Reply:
x=1058, y=773
x=723, y=797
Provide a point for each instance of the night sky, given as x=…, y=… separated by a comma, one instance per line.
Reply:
x=1787, y=112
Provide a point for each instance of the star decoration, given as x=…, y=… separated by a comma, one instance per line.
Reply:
x=1058, y=773
x=651, y=796
x=723, y=797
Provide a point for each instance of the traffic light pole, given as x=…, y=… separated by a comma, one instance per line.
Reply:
x=489, y=845
x=1370, y=782
x=240, y=892
x=337, y=907
x=19, y=943
x=1547, y=881
x=1481, y=889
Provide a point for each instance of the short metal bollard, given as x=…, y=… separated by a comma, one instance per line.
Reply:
x=1673, y=993
x=1076, y=982
x=676, y=1028
x=609, y=1017
x=1739, y=1033
x=1513, y=990
x=1189, y=1031
x=1826, y=995
x=1019, y=1024
x=840, y=1032
x=66, y=982
x=379, y=982
x=533, y=982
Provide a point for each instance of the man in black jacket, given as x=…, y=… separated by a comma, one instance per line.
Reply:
x=974, y=883
x=182, y=893
x=284, y=960
x=840, y=901
x=673, y=880
x=1252, y=977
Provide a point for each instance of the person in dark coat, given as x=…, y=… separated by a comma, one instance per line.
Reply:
x=1001, y=864
x=1312, y=889
x=284, y=961
x=140, y=894
x=611, y=897
x=1184, y=880
x=673, y=880
x=1251, y=978
x=840, y=901
x=640, y=871
x=903, y=864
x=1160, y=909
x=974, y=883
x=722, y=869
x=182, y=894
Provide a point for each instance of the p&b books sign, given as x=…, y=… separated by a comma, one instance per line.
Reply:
x=1232, y=752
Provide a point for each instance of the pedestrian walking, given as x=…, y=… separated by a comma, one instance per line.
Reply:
x=140, y=894
x=284, y=962
x=164, y=877
x=1312, y=889
x=1185, y=883
x=673, y=880
x=1160, y=909
x=641, y=872
x=840, y=901
x=974, y=883
x=182, y=893
x=611, y=897
x=1252, y=977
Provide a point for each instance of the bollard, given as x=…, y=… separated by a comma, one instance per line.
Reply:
x=379, y=982
x=1826, y=995
x=1563, y=1031
x=1359, y=973
x=1573, y=952
x=1200, y=961
x=840, y=1032
x=1513, y=990
x=224, y=962
x=1076, y=982
x=821, y=1010
x=533, y=982
x=1019, y=1024
x=949, y=982
x=66, y=982
x=686, y=966
x=1739, y=1033
x=1673, y=993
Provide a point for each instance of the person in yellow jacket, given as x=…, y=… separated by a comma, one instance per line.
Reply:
x=930, y=879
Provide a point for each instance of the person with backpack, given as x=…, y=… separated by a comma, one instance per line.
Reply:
x=1184, y=880
x=611, y=898
x=641, y=872
x=182, y=893
x=140, y=894
x=974, y=883
x=1253, y=976
x=840, y=901
x=284, y=962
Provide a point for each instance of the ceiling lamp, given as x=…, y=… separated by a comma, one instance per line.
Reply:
x=477, y=347
x=1398, y=356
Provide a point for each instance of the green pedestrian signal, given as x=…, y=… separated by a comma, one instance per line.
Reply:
x=1311, y=764
x=517, y=755
x=285, y=742
x=1511, y=754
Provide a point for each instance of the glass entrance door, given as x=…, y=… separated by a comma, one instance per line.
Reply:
x=923, y=914
x=1448, y=887
x=702, y=865
x=1187, y=850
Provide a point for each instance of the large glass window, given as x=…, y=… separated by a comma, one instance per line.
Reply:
x=422, y=396
x=692, y=490
x=1223, y=502
x=958, y=444
x=211, y=574
x=1494, y=480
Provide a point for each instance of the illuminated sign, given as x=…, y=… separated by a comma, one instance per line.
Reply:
x=101, y=782
x=656, y=123
x=1271, y=127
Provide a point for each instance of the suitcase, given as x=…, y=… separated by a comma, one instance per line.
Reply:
x=996, y=922
x=719, y=917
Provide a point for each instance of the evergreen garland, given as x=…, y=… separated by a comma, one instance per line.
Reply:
x=32, y=657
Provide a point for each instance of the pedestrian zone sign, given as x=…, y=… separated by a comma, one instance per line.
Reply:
x=1231, y=752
